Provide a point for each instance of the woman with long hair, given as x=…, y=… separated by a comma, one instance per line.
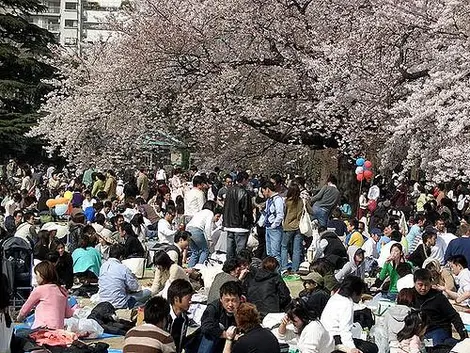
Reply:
x=49, y=299
x=166, y=271
x=390, y=269
x=293, y=213
x=309, y=332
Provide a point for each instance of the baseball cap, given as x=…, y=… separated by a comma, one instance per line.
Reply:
x=376, y=231
x=313, y=276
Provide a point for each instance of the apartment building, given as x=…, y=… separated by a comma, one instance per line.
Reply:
x=76, y=22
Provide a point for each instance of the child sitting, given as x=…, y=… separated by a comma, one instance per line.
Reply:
x=410, y=337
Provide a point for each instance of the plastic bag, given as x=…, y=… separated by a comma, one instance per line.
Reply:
x=88, y=328
x=82, y=313
x=379, y=332
x=6, y=333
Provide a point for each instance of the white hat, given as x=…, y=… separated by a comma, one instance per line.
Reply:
x=98, y=227
x=107, y=236
x=62, y=230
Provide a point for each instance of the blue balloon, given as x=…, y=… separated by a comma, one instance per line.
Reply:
x=360, y=161
x=61, y=209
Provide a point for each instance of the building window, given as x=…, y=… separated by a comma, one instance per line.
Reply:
x=71, y=23
x=70, y=6
x=70, y=41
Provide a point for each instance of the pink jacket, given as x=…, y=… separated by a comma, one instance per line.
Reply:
x=51, y=306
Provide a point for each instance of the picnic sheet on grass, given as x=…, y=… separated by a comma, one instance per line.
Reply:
x=19, y=327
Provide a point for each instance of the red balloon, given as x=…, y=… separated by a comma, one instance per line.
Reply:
x=368, y=174
x=372, y=205
x=368, y=164
x=360, y=177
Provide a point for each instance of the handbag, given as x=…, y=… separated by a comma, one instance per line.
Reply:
x=6, y=331
x=305, y=224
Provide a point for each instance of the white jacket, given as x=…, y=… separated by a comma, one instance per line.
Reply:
x=337, y=318
x=313, y=339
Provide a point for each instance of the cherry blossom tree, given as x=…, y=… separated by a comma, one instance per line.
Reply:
x=244, y=78
x=431, y=129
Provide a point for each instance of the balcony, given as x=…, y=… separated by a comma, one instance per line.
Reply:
x=53, y=27
x=52, y=10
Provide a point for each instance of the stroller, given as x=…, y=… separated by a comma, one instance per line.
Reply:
x=17, y=264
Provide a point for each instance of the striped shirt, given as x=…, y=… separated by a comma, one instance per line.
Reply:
x=148, y=338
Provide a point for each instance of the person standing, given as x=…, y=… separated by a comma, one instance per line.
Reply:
x=143, y=183
x=238, y=215
x=325, y=201
x=110, y=184
x=88, y=176
x=195, y=198
x=294, y=211
x=273, y=217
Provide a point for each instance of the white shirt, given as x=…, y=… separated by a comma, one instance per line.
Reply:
x=405, y=282
x=10, y=207
x=193, y=201
x=337, y=318
x=463, y=280
x=438, y=250
x=385, y=252
x=87, y=204
x=166, y=233
x=447, y=237
x=370, y=248
x=203, y=220
x=313, y=339
x=160, y=175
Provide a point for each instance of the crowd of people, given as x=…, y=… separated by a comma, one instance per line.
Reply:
x=409, y=243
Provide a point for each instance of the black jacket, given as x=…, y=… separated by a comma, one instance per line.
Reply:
x=214, y=321
x=418, y=256
x=250, y=342
x=440, y=312
x=64, y=269
x=238, y=209
x=315, y=301
x=335, y=252
x=133, y=247
x=268, y=292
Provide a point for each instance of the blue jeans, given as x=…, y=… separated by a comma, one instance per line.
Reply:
x=320, y=214
x=198, y=246
x=138, y=298
x=440, y=336
x=206, y=345
x=273, y=242
x=297, y=252
x=235, y=243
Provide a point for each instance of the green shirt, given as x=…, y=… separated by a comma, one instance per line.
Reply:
x=389, y=271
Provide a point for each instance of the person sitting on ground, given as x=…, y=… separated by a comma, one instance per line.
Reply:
x=410, y=338
x=219, y=317
x=232, y=271
x=311, y=336
x=250, y=333
x=41, y=248
x=133, y=246
x=441, y=313
x=355, y=237
x=461, y=272
x=332, y=248
x=338, y=315
x=177, y=249
x=423, y=251
x=314, y=294
x=166, y=232
x=117, y=284
x=327, y=270
x=105, y=241
x=405, y=274
x=441, y=275
x=355, y=266
x=49, y=299
x=390, y=269
x=337, y=223
x=63, y=263
x=395, y=315
x=86, y=260
x=267, y=290
x=179, y=296
x=151, y=336
x=166, y=271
